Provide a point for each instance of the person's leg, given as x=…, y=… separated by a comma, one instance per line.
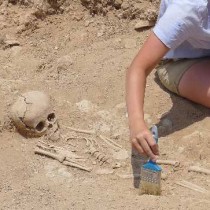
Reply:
x=195, y=83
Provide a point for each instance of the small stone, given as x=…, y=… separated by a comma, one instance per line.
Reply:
x=11, y=43
x=144, y=24
x=94, y=162
x=118, y=3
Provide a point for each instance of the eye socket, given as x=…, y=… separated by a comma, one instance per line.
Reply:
x=51, y=117
x=40, y=126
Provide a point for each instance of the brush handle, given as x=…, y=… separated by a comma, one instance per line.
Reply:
x=154, y=131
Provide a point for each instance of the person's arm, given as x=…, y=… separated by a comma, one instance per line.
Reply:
x=145, y=61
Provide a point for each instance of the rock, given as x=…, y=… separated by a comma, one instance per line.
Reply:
x=125, y=5
x=11, y=43
x=118, y=3
x=144, y=24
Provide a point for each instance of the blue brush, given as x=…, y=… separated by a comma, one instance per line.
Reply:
x=151, y=173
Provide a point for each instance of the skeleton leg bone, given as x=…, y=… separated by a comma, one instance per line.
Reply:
x=112, y=142
x=191, y=186
x=199, y=170
x=109, y=143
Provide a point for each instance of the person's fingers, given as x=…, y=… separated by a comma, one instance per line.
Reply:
x=155, y=149
x=152, y=143
x=146, y=148
x=136, y=145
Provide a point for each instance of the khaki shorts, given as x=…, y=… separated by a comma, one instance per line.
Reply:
x=170, y=72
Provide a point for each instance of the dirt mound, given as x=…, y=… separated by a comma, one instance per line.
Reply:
x=41, y=7
x=124, y=8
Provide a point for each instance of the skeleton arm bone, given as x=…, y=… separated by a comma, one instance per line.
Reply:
x=58, y=157
x=168, y=162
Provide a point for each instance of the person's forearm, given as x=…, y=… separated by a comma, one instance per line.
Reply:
x=135, y=90
x=144, y=62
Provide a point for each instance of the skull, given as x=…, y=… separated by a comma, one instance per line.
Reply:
x=33, y=116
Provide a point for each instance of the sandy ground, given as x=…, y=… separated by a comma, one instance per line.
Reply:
x=80, y=60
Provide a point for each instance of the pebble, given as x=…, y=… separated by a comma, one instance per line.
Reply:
x=143, y=24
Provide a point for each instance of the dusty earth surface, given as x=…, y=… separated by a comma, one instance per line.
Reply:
x=78, y=53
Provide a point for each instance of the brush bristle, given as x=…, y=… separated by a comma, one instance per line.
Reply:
x=150, y=188
x=150, y=182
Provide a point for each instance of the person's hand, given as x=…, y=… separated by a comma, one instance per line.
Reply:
x=143, y=141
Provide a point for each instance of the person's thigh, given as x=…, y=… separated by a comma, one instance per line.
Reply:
x=195, y=83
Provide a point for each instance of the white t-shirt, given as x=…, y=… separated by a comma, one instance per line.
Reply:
x=184, y=27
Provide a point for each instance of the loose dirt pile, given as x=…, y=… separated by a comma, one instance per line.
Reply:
x=124, y=9
x=78, y=52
